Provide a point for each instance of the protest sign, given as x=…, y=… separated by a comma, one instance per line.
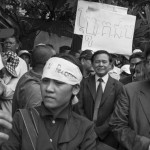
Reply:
x=108, y=31
x=82, y=9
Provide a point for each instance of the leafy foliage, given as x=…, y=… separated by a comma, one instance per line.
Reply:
x=29, y=16
x=58, y=16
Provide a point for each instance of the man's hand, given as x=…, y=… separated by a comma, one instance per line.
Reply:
x=5, y=126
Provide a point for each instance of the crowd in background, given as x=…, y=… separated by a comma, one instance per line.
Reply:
x=73, y=100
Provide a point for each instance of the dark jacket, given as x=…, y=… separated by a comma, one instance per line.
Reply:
x=78, y=134
x=126, y=80
x=27, y=93
x=87, y=97
x=130, y=121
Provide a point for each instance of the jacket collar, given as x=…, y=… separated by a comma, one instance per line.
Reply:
x=62, y=113
x=92, y=86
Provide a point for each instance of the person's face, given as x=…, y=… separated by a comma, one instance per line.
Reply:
x=133, y=63
x=25, y=58
x=101, y=64
x=87, y=65
x=55, y=93
x=138, y=74
x=77, y=55
x=10, y=44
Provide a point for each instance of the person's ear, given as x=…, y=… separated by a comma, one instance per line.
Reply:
x=76, y=89
x=82, y=61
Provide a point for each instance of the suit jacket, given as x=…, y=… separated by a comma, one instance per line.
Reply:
x=126, y=80
x=87, y=96
x=130, y=121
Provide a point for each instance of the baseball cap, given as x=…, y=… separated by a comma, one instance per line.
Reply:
x=24, y=52
x=136, y=51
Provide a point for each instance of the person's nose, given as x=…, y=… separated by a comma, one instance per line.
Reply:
x=100, y=64
x=50, y=86
x=134, y=76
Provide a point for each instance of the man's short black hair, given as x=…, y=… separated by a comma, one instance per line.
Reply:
x=101, y=52
x=86, y=54
x=63, y=49
x=40, y=55
x=137, y=55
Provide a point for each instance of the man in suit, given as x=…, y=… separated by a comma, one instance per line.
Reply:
x=130, y=121
x=98, y=105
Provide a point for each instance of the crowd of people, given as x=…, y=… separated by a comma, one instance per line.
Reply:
x=73, y=101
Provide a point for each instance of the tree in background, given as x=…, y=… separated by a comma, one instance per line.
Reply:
x=58, y=16
x=30, y=16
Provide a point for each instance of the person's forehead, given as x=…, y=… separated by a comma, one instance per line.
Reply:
x=135, y=60
x=12, y=39
x=102, y=56
x=53, y=80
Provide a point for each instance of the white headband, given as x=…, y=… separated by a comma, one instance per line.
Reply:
x=62, y=70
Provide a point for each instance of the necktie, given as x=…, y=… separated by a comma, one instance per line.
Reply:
x=98, y=99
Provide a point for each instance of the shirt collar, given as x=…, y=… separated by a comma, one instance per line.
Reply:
x=63, y=113
x=105, y=78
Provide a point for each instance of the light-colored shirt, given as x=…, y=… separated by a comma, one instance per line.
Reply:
x=105, y=79
x=21, y=68
x=115, y=73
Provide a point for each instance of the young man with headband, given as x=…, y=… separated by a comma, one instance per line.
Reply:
x=54, y=125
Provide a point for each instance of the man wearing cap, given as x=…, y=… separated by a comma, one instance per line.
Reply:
x=53, y=125
x=26, y=56
x=85, y=59
x=27, y=93
x=98, y=96
x=12, y=44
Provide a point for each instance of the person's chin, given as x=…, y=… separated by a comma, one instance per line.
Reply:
x=101, y=74
x=49, y=104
